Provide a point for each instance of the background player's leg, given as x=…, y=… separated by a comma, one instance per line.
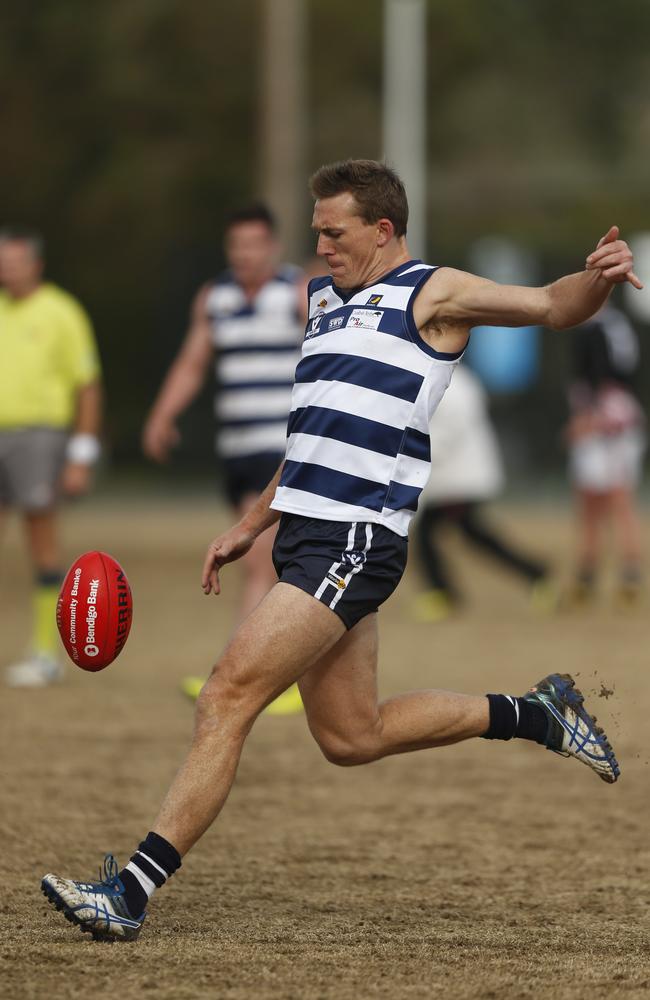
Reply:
x=257, y=564
x=480, y=533
x=286, y=633
x=592, y=508
x=436, y=602
x=352, y=727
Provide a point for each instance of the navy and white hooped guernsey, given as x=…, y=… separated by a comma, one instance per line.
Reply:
x=365, y=390
x=257, y=348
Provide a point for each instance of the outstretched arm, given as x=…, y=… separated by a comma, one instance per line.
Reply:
x=182, y=384
x=236, y=542
x=453, y=301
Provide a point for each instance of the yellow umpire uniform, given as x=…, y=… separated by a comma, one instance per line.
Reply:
x=49, y=415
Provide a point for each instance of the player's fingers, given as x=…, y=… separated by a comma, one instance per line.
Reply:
x=634, y=280
x=616, y=272
x=609, y=237
x=609, y=250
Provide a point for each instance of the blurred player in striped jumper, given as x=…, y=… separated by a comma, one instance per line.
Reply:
x=50, y=408
x=383, y=336
x=248, y=323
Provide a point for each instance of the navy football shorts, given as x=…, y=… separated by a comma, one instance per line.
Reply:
x=249, y=474
x=352, y=567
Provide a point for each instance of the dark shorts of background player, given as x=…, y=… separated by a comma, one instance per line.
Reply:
x=351, y=567
x=249, y=474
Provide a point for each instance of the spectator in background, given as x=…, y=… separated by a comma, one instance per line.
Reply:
x=606, y=441
x=50, y=405
x=466, y=470
x=249, y=322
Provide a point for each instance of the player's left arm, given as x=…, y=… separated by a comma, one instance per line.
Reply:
x=236, y=542
x=81, y=367
x=454, y=301
x=83, y=447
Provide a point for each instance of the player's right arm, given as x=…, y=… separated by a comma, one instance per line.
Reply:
x=182, y=383
x=451, y=301
x=236, y=542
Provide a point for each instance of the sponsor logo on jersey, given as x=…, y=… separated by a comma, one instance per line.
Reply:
x=322, y=303
x=374, y=300
x=368, y=319
x=336, y=322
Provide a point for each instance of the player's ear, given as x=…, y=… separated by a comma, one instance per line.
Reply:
x=385, y=232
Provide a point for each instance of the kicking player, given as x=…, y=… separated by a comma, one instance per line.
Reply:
x=383, y=336
x=50, y=409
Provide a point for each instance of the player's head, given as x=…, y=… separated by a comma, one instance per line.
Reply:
x=21, y=260
x=361, y=209
x=251, y=243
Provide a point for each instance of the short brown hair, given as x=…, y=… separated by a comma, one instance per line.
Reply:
x=377, y=190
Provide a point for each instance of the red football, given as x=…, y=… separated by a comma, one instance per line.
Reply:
x=94, y=610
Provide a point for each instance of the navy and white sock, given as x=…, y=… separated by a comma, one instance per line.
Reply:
x=511, y=717
x=153, y=863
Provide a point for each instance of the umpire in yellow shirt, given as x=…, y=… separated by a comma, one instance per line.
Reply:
x=50, y=408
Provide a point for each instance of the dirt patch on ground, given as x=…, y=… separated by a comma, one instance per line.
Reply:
x=480, y=871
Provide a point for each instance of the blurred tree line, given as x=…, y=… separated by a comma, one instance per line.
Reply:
x=131, y=129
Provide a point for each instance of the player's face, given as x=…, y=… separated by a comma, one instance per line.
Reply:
x=346, y=241
x=20, y=267
x=252, y=251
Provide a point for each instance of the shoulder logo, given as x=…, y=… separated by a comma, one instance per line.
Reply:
x=374, y=300
x=322, y=303
x=336, y=322
x=313, y=325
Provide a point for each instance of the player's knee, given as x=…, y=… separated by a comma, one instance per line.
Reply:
x=346, y=750
x=228, y=694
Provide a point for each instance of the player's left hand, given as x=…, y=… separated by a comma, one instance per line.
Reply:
x=76, y=479
x=224, y=549
x=614, y=259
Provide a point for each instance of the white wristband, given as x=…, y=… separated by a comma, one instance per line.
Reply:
x=83, y=449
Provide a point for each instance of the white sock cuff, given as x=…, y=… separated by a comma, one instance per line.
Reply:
x=152, y=862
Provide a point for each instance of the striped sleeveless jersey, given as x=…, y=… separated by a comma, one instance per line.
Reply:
x=257, y=350
x=365, y=390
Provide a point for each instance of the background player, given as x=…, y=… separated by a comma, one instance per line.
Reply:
x=384, y=334
x=50, y=403
x=606, y=435
x=249, y=322
x=466, y=470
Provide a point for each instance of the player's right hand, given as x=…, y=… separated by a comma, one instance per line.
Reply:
x=234, y=544
x=159, y=437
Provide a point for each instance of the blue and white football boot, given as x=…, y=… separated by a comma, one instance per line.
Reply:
x=572, y=731
x=98, y=908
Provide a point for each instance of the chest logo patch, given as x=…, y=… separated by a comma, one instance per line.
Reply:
x=374, y=300
x=367, y=319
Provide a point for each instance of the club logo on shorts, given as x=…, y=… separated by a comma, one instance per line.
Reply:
x=356, y=559
x=338, y=581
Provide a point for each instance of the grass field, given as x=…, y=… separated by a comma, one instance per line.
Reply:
x=479, y=871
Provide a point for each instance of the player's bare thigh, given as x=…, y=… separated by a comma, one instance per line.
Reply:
x=339, y=693
x=287, y=632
